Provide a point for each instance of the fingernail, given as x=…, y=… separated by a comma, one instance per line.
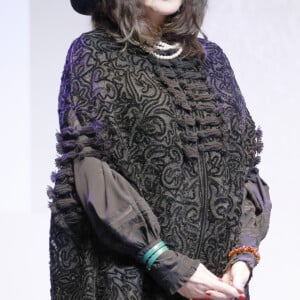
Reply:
x=243, y=297
x=220, y=279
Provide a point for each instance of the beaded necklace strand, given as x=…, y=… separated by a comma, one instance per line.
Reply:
x=162, y=46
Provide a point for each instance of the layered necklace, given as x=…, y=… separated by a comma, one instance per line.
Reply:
x=164, y=50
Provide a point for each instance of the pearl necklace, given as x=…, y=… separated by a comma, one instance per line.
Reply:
x=166, y=47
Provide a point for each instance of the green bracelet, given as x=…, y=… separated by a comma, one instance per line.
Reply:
x=152, y=250
x=155, y=256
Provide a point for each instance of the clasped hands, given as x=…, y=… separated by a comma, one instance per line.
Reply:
x=205, y=285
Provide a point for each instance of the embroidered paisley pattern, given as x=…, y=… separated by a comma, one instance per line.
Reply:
x=178, y=131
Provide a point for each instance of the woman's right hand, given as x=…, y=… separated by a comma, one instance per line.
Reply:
x=205, y=285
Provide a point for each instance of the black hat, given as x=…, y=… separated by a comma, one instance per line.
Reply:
x=84, y=7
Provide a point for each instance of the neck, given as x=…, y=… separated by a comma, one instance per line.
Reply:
x=155, y=18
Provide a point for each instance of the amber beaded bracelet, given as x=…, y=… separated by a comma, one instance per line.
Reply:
x=246, y=249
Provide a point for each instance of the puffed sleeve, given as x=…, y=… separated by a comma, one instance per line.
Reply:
x=122, y=220
x=256, y=216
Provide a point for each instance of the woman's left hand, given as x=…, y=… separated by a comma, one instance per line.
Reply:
x=237, y=275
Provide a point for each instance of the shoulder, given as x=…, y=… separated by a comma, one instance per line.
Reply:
x=92, y=43
x=214, y=54
x=209, y=45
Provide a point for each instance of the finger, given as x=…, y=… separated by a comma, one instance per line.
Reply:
x=225, y=288
x=214, y=295
x=240, y=286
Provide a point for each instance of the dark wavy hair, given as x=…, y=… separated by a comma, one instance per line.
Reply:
x=127, y=22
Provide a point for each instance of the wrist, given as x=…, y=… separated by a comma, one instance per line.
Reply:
x=169, y=269
x=245, y=250
x=172, y=270
x=247, y=258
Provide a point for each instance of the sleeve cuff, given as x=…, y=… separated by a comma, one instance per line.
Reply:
x=172, y=270
x=248, y=258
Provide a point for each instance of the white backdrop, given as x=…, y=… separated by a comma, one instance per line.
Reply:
x=261, y=40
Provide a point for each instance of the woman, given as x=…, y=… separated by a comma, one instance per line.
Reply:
x=157, y=194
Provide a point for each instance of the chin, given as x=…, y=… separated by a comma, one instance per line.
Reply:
x=164, y=7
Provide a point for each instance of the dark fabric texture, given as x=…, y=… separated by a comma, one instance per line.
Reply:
x=180, y=134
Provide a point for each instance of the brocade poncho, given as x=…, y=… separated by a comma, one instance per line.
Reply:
x=150, y=150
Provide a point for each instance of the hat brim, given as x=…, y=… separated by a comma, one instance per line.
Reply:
x=84, y=7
